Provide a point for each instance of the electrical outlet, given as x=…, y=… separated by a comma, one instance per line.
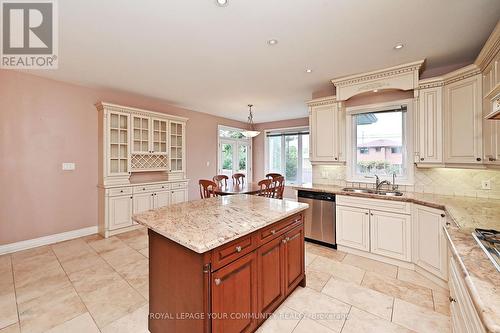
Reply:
x=68, y=166
x=486, y=185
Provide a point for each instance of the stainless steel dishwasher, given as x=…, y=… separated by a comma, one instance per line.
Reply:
x=319, y=217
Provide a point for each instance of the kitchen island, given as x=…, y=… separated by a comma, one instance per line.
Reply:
x=222, y=264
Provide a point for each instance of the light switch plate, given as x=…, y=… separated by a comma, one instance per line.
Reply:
x=68, y=166
x=486, y=185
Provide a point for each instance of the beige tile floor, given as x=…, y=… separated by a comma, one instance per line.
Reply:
x=92, y=284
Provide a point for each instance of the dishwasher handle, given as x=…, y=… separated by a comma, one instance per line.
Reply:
x=316, y=195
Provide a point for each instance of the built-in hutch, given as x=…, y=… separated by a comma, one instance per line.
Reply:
x=135, y=141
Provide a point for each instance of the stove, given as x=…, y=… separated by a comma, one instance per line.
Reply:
x=489, y=240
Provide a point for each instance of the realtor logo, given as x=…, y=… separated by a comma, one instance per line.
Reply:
x=29, y=34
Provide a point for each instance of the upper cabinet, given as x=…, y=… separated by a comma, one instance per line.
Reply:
x=135, y=140
x=429, y=126
x=327, y=128
x=463, y=120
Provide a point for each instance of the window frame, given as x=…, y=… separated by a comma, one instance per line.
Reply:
x=408, y=141
x=283, y=159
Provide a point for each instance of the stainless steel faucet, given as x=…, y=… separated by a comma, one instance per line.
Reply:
x=379, y=183
x=394, y=186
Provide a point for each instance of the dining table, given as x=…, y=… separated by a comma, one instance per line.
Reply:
x=232, y=188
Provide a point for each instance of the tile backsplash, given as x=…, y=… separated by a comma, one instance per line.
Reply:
x=446, y=181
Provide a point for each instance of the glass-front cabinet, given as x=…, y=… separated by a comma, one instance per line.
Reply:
x=149, y=135
x=118, y=147
x=177, y=144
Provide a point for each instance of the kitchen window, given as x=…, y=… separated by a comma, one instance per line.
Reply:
x=380, y=142
x=287, y=153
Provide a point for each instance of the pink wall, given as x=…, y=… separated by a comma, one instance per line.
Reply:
x=44, y=123
x=258, y=158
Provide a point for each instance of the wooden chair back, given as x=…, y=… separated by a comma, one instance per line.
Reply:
x=273, y=175
x=266, y=188
x=238, y=178
x=279, y=186
x=221, y=180
x=207, y=188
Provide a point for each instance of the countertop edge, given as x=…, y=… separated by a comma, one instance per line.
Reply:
x=204, y=249
x=490, y=325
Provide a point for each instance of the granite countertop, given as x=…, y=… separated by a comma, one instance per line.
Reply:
x=203, y=225
x=467, y=213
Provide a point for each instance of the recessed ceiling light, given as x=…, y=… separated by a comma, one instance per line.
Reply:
x=272, y=42
x=222, y=3
x=309, y=70
x=399, y=46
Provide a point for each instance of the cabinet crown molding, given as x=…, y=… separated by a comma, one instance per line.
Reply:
x=490, y=49
x=101, y=106
x=456, y=75
x=403, y=77
x=322, y=101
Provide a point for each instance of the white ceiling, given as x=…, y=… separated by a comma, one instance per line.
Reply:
x=195, y=54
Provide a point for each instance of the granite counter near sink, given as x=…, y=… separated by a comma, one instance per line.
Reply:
x=467, y=213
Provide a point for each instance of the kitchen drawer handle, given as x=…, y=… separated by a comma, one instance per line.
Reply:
x=452, y=299
x=217, y=282
x=273, y=232
x=238, y=249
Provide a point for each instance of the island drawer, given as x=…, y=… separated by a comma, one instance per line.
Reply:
x=279, y=228
x=225, y=254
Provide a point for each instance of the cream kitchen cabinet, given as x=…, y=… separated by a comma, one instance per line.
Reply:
x=116, y=137
x=463, y=120
x=491, y=128
x=149, y=135
x=429, y=250
x=327, y=131
x=363, y=224
x=390, y=235
x=429, y=126
x=353, y=227
x=120, y=212
x=177, y=144
x=115, y=215
x=464, y=317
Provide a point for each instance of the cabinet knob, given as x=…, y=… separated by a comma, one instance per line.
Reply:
x=130, y=197
x=443, y=215
x=448, y=224
x=238, y=249
x=121, y=191
x=478, y=159
x=421, y=158
x=144, y=189
x=491, y=159
x=336, y=158
x=371, y=214
x=366, y=213
x=217, y=282
x=273, y=232
x=452, y=299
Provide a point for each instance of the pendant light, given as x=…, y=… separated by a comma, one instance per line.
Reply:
x=250, y=133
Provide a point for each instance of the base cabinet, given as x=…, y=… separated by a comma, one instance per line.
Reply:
x=235, y=294
x=464, y=317
x=120, y=212
x=390, y=235
x=242, y=282
x=118, y=204
x=353, y=227
x=430, y=251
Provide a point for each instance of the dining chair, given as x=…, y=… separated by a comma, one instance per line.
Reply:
x=273, y=175
x=238, y=178
x=207, y=188
x=279, y=186
x=266, y=188
x=221, y=180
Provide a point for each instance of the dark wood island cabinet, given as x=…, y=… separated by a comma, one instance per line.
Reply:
x=228, y=288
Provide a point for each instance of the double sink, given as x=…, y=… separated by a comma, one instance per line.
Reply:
x=370, y=191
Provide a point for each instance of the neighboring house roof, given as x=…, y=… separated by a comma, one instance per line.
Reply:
x=380, y=143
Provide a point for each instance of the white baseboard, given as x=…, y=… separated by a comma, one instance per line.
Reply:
x=51, y=239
